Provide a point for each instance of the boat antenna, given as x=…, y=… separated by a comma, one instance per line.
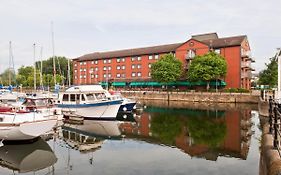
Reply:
x=53, y=47
x=34, y=67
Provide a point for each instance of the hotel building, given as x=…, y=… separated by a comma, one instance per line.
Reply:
x=132, y=66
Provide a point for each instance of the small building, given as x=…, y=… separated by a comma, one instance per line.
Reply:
x=131, y=67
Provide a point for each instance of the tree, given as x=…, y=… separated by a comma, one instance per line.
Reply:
x=269, y=76
x=210, y=66
x=6, y=76
x=61, y=67
x=166, y=69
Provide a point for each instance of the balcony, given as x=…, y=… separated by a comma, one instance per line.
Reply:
x=246, y=75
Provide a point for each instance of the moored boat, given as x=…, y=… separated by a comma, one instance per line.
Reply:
x=89, y=102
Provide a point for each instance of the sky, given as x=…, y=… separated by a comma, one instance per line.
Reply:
x=86, y=26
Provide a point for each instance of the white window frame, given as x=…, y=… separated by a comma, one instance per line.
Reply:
x=139, y=58
x=123, y=67
x=150, y=57
x=139, y=66
x=133, y=74
x=139, y=74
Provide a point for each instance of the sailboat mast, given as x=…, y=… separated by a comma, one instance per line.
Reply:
x=53, y=46
x=41, y=68
x=10, y=59
x=34, y=73
x=68, y=72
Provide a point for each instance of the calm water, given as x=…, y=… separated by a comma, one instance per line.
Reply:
x=163, y=139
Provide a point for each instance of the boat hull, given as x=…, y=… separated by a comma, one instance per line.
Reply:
x=26, y=130
x=103, y=110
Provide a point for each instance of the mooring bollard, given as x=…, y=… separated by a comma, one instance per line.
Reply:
x=275, y=141
x=270, y=115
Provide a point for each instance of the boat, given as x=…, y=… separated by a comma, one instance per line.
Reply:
x=91, y=134
x=28, y=121
x=26, y=158
x=89, y=102
x=128, y=105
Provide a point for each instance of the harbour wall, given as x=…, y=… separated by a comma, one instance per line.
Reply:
x=194, y=96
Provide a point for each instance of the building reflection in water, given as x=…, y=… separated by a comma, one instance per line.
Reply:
x=25, y=158
x=205, y=133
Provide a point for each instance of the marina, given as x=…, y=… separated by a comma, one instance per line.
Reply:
x=162, y=138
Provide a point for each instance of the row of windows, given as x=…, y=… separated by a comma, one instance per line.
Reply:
x=118, y=60
x=133, y=66
x=134, y=74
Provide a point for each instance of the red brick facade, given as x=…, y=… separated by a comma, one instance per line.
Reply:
x=134, y=64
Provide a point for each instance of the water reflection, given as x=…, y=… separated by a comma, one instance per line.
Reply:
x=89, y=135
x=27, y=157
x=204, y=134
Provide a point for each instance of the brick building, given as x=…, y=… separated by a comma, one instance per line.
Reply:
x=132, y=66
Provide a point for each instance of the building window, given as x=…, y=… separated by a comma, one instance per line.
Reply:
x=104, y=75
x=109, y=75
x=75, y=77
x=118, y=67
x=123, y=76
x=133, y=58
x=85, y=63
x=118, y=75
x=149, y=65
x=96, y=69
x=96, y=62
x=139, y=58
x=218, y=51
x=104, y=61
x=133, y=74
x=150, y=57
x=156, y=57
x=123, y=67
x=92, y=62
x=149, y=74
x=85, y=70
x=139, y=66
x=75, y=64
x=92, y=76
x=75, y=70
x=191, y=54
x=96, y=75
x=118, y=60
x=123, y=59
x=109, y=68
x=139, y=74
x=104, y=67
x=81, y=76
x=84, y=76
x=133, y=66
x=81, y=63
x=109, y=61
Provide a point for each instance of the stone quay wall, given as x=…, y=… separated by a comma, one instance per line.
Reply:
x=212, y=97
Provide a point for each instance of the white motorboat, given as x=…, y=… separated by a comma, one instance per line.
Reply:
x=25, y=126
x=89, y=102
x=28, y=121
x=27, y=157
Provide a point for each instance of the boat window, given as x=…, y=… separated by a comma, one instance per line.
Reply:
x=82, y=97
x=72, y=97
x=78, y=97
x=40, y=102
x=65, y=97
x=90, y=97
x=100, y=96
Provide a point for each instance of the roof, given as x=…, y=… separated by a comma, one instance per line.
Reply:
x=210, y=39
x=206, y=36
x=225, y=42
x=131, y=52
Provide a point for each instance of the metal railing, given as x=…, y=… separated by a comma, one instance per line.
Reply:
x=274, y=123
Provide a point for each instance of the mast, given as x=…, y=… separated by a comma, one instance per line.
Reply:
x=41, y=68
x=53, y=46
x=68, y=72
x=34, y=73
x=11, y=62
